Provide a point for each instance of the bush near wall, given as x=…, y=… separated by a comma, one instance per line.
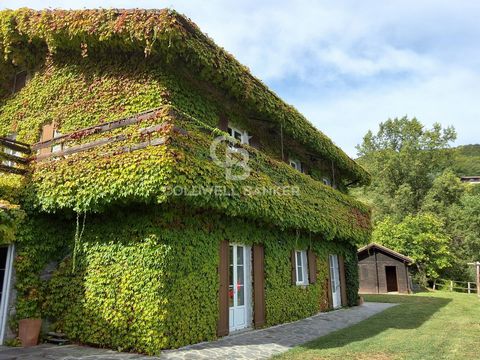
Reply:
x=146, y=277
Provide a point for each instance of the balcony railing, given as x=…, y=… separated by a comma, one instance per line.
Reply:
x=14, y=156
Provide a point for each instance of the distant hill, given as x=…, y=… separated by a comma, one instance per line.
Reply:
x=467, y=162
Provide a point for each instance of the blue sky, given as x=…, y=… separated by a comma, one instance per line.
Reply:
x=347, y=65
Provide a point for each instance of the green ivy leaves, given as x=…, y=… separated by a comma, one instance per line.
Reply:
x=147, y=276
x=170, y=37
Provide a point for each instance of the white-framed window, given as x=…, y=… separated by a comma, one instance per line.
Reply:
x=301, y=267
x=240, y=135
x=57, y=147
x=297, y=165
x=327, y=181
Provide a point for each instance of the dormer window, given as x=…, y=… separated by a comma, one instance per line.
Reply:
x=19, y=81
x=327, y=181
x=240, y=135
x=297, y=165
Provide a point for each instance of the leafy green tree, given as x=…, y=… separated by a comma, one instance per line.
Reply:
x=421, y=237
x=458, y=206
x=467, y=160
x=446, y=191
x=465, y=226
x=404, y=158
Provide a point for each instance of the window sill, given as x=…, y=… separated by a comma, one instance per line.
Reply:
x=303, y=285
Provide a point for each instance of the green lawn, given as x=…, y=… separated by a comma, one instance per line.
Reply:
x=434, y=325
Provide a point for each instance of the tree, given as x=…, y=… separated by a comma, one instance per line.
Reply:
x=465, y=220
x=421, y=237
x=446, y=191
x=404, y=158
x=467, y=160
x=459, y=208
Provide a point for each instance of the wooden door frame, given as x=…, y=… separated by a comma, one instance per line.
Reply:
x=396, y=277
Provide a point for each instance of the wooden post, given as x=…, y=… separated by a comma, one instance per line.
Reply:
x=451, y=285
x=434, y=283
x=478, y=278
x=468, y=287
x=477, y=265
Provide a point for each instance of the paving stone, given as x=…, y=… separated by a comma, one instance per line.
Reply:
x=251, y=345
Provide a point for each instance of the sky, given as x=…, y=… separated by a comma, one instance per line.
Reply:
x=346, y=65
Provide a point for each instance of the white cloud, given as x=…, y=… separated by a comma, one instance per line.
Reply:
x=450, y=99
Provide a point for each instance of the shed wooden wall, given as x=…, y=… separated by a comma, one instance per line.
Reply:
x=372, y=265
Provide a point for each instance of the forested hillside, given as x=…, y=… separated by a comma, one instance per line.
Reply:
x=467, y=160
x=420, y=206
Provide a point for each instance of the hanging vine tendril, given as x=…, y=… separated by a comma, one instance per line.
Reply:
x=77, y=239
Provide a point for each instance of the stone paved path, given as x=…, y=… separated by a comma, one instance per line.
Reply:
x=257, y=344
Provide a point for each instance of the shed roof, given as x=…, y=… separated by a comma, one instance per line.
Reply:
x=385, y=250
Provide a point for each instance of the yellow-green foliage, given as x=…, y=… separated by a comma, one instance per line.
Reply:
x=84, y=93
x=75, y=96
x=11, y=214
x=11, y=217
x=147, y=276
x=174, y=39
x=92, y=181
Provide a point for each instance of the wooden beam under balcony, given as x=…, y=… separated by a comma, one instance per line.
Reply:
x=15, y=145
x=12, y=170
x=13, y=158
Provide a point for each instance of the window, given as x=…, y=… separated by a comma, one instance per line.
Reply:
x=326, y=181
x=19, y=81
x=59, y=146
x=301, y=267
x=297, y=165
x=240, y=135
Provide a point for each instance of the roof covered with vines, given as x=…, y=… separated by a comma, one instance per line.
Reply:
x=28, y=36
x=176, y=167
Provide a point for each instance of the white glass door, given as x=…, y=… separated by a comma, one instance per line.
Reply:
x=335, y=281
x=6, y=262
x=239, y=287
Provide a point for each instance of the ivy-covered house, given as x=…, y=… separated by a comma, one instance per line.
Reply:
x=154, y=193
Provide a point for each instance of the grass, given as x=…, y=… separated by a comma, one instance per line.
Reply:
x=432, y=325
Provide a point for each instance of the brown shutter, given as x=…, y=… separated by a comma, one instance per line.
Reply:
x=312, y=266
x=222, y=326
x=329, y=285
x=223, y=123
x=294, y=273
x=343, y=284
x=47, y=134
x=258, y=286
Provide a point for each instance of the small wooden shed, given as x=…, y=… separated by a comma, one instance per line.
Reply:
x=383, y=270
